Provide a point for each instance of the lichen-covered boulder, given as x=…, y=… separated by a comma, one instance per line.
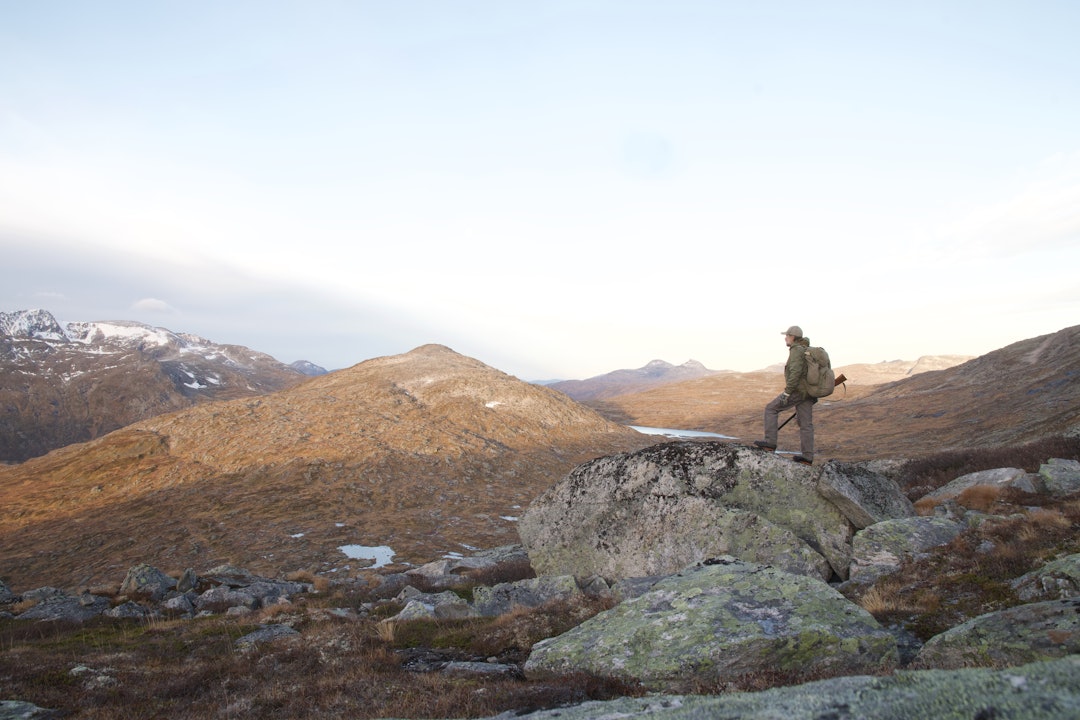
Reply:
x=719, y=622
x=660, y=509
x=881, y=548
x=1037, y=691
x=1021, y=634
x=1060, y=476
x=864, y=497
x=1056, y=580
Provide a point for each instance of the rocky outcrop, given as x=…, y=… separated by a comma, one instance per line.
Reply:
x=718, y=622
x=660, y=509
x=1017, y=635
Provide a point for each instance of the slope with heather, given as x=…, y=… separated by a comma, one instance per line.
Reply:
x=427, y=452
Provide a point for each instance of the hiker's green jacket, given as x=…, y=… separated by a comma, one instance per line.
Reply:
x=795, y=369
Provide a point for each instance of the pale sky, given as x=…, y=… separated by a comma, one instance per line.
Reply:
x=558, y=189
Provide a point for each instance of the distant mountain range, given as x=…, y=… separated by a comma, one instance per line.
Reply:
x=61, y=384
x=621, y=382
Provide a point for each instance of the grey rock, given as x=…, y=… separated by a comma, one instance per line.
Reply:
x=881, y=548
x=188, y=581
x=999, y=478
x=444, y=605
x=18, y=710
x=673, y=504
x=6, y=596
x=1056, y=580
x=128, y=609
x=230, y=575
x=179, y=605
x=1061, y=477
x=482, y=669
x=716, y=623
x=1038, y=691
x=68, y=608
x=146, y=581
x=864, y=497
x=219, y=599
x=630, y=588
x=452, y=571
x=265, y=633
x=530, y=593
x=1017, y=635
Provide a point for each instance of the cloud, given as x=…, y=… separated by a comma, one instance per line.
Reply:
x=1043, y=214
x=153, y=305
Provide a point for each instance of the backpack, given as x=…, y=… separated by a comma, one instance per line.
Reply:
x=820, y=378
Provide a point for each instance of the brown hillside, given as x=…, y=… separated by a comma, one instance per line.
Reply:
x=425, y=452
x=1013, y=395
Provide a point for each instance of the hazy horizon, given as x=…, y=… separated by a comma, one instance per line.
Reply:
x=558, y=189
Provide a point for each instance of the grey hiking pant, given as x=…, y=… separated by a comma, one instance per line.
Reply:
x=804, y=415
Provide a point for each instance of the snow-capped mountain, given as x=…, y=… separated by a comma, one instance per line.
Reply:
x=73, y=381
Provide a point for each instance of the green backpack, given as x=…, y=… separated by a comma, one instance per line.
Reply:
x=820, y=378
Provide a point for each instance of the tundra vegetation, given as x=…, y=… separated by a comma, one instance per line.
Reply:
x=349, y=662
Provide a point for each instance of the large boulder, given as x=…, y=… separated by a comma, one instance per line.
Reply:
x=716, y=623
x=1038, y=691
x=1021, y=634
x=864, y=496
x=660, y=509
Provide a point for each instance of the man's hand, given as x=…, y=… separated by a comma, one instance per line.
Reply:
x=784, y=398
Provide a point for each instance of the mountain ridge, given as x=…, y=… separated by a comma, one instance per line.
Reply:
x=72, y=382
x=426, y=452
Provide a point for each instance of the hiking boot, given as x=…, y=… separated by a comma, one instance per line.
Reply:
x=765, y=444
x=802, y=461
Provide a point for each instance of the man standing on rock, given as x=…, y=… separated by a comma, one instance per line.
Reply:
x=794, y=395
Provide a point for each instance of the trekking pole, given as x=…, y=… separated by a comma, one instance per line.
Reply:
x=840, y=379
